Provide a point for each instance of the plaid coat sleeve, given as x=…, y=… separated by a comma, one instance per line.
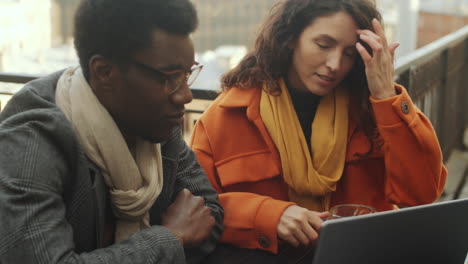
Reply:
x=40, y=165
x=190, y=175
x=34, y=175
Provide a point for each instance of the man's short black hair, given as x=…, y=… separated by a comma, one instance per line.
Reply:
x=117, y=28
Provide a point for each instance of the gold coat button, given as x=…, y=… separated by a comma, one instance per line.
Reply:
x=405, y=108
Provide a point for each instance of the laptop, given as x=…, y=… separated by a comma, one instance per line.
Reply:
x=433, y=233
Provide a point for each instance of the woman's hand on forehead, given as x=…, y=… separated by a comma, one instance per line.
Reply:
x=379, y=64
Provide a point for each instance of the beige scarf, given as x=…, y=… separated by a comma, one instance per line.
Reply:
x=311, y=179
x=134, y=183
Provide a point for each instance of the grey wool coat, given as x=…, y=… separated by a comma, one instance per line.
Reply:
x=53, y=200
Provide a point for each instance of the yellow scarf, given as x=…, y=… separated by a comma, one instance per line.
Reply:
x=311, y=179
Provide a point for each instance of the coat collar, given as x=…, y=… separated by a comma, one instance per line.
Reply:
x=240, y=98
x=250, y=98
x=237, y=97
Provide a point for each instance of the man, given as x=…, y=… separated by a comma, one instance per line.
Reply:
x=93, y=168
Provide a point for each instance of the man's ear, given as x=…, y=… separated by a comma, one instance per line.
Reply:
x=102, y=71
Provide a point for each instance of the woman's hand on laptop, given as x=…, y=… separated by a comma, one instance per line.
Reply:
x=299, y=225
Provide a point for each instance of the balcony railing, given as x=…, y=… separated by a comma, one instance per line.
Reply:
x=435, y=75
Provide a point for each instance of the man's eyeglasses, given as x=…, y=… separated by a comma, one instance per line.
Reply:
x=173, y=80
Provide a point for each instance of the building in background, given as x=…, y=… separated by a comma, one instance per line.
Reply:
x=415, y=23
x=438, y=18
x=233, y=22
x=221, y=22
x=37, y=35
x=401, y=22
x=62, y=15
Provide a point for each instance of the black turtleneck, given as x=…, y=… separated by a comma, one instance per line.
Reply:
x=305, y=104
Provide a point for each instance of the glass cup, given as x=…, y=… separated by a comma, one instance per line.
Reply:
x=347, y=210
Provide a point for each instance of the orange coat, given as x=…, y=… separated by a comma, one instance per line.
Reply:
x=241, y=161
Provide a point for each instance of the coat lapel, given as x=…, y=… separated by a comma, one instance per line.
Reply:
x=102, y=203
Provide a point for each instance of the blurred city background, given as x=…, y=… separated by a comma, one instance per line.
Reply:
x=37, y=35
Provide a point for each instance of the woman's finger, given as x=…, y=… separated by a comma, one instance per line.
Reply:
x=392, y=48
x=372, y=42
x=369, y=33
x=301, y=236
x=292, y=241
x=315, y=221
x=323, y=215
x=366, y=57
x=310, y=232
x=288, y=236
x=378, y=29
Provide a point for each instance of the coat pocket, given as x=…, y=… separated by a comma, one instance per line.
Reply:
x=247, y=167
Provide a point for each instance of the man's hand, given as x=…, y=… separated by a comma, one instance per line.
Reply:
x=298, y=225
x=189, y=218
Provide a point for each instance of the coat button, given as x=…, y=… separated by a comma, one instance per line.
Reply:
x=405, y=108
x=264, y=242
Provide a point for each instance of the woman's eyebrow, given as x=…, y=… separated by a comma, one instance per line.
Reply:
x=327, y=38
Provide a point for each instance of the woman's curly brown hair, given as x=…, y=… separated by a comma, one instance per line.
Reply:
x=272, y=54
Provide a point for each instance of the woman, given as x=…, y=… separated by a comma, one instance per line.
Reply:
x=311, y=118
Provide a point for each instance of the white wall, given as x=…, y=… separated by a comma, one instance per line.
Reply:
x=25, y=28
x=401, y=23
